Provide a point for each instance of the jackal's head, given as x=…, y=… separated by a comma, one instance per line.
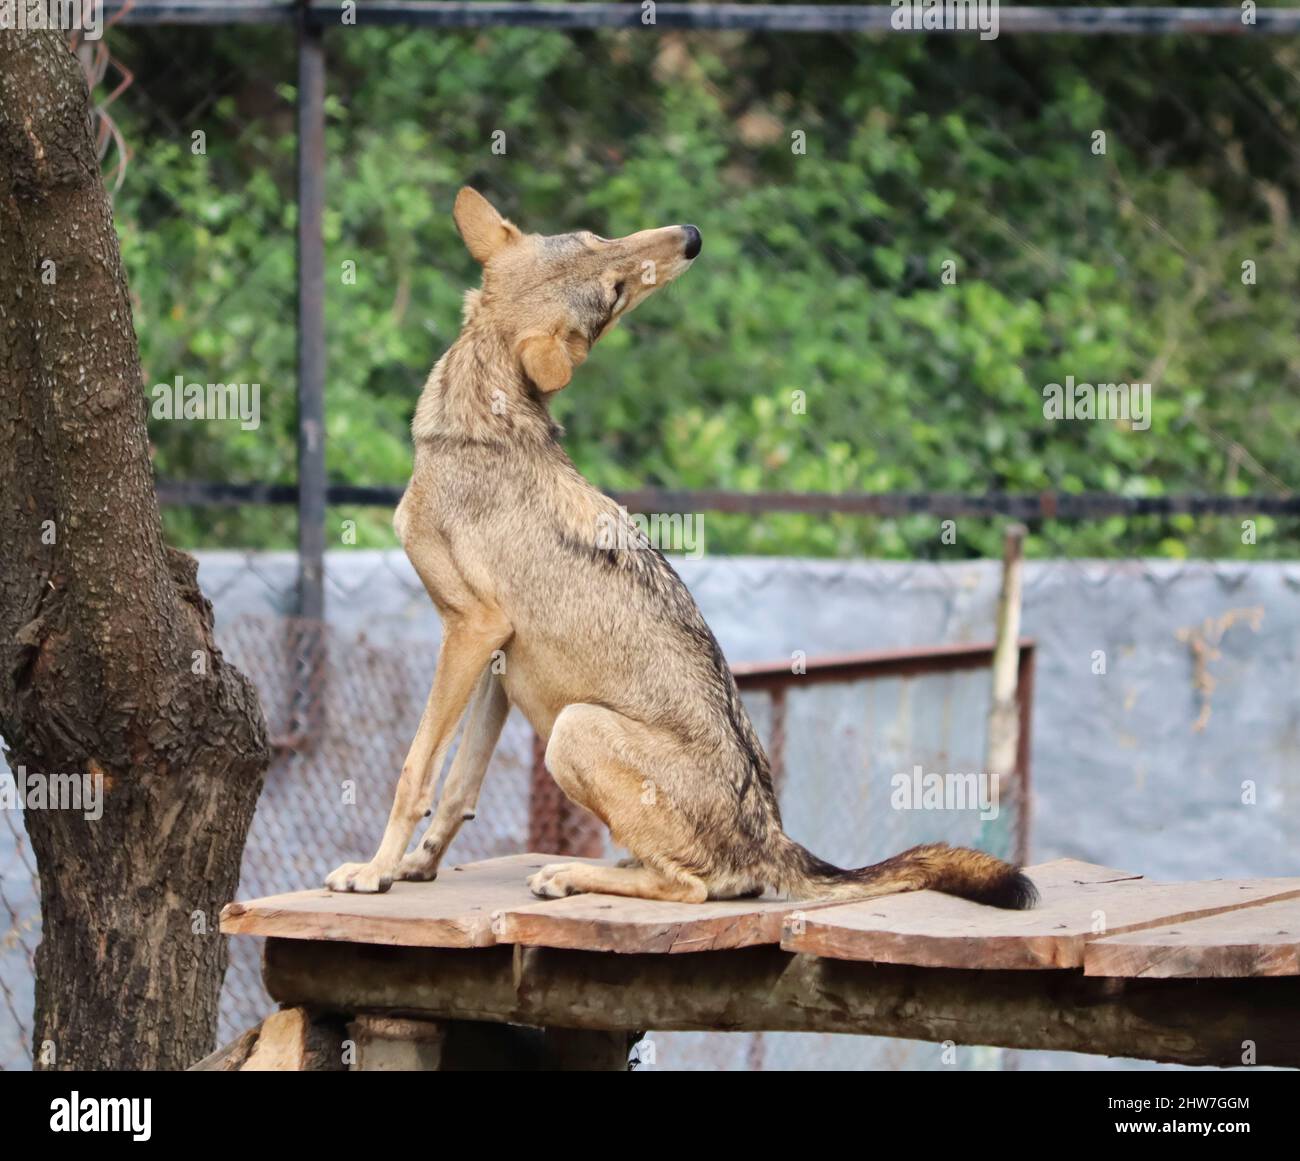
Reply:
x=553, y=296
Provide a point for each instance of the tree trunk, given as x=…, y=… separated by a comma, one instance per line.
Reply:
x=108, y=669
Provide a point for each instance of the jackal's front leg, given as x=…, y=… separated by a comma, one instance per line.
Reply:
x=468, y=643
x=487, y=714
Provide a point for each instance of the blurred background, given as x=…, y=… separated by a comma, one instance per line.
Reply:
x=905, y=240
x=822, y=275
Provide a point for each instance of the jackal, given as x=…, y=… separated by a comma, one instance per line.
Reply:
x=602, y=649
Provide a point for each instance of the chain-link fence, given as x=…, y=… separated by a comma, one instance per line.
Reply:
x=328, y=792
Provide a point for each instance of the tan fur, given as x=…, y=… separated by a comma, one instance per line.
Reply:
x=600, y=647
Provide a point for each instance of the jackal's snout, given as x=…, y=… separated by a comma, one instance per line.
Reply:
x=692, y=242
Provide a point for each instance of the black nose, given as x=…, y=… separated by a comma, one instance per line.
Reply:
x=693, y=241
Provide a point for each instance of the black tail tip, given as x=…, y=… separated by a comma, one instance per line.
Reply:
x=1010, y=890
x=1017, y=894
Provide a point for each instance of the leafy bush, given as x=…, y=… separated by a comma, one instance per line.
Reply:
x=815, y=346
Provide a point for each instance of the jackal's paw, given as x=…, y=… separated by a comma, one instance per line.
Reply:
x=554, y=881
x=416, y=867
x=363, y=878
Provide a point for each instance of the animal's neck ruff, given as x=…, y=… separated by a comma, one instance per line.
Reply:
x=478, y=390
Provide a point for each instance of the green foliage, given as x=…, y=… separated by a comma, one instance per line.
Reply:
x=814, y=347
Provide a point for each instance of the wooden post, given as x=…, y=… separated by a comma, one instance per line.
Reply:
x=1003, y=740
x=395, y=1044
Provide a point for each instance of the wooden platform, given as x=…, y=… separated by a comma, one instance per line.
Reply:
x=1103, y=964
x=1106, y=921
x=480, y=904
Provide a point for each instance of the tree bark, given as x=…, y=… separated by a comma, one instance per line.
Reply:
x=108, y=667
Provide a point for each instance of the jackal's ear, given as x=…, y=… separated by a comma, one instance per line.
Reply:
x=485, y=231
x=546, y=362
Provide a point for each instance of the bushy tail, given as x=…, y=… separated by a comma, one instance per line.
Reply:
x=957, y=871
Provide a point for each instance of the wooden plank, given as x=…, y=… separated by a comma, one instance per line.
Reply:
x=1079, y=904
x=1254, y=941
x=764, y=989
x=230, y=1057
x=455, y=910
x=630, y=926
x=290, y=1040
x=282, y=1044
x=634, y=926
x=1064, y=874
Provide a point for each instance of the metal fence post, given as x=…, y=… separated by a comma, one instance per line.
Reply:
x=308, y=646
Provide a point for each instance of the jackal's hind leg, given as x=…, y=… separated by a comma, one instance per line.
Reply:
x=609, y=764
x=560, y=879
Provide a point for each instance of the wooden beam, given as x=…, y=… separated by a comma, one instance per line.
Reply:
x=1201, y=1022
